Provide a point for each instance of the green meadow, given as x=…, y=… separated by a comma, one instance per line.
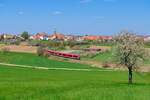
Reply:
x=33, y=84
x=34, y=60
x=106, y=57
x=102, y=57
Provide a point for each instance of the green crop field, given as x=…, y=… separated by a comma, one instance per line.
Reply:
x=33, y=84
x=34, y=60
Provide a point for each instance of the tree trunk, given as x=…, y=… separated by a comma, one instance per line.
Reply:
x=130, y=75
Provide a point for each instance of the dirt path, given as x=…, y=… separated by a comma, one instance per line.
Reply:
x=110, y=66
x=46, y=68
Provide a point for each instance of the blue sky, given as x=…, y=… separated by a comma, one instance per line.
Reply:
x=74, y=16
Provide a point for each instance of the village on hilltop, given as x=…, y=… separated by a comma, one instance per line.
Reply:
x=61, y=37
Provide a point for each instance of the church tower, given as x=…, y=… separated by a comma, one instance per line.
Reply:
x=55, y=31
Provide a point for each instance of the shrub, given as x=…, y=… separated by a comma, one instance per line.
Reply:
x=34, y=43
x=18, y=42
x=5, y=50
x=46, y=54
x=147, y=43
x=76, y=47
x=84, y=54
x=11, y=42
x=71, y=43
x=56, y=45
x=79, y=47
x=25, y=35
x=89, y=54
x=40, y=51
x=92, y=54
x=105, y=65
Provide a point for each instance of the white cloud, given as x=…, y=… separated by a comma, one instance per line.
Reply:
x=57, y=12
x=85, y=1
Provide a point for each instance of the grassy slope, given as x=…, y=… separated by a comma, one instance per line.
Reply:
x=33, y=60
x=106, y=57
x=103, y=57
x=106, y=44
x=31, y=84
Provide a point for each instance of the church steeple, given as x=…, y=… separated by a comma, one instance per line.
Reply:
x=55, y=31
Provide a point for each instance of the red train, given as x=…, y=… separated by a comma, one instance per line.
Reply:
x=63, y=54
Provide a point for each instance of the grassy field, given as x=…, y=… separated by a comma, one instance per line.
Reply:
x=106, y=57
x=106, y=44
x=102, y=57
x=31, y=84
x=34, y=60
x=146, y=46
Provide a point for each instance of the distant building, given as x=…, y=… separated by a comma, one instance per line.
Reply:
x=92, y=38
x=146, y=38
x=52, y=37
x=105, y=38
x=32, y=37
x=18, y=37
x=98, y=38
x=68, y=37
x=78, y=38
x=9, y=36
x=38, y=38
x=43, y=36
x=58, y=36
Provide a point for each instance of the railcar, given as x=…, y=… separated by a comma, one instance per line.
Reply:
x=72, y=56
